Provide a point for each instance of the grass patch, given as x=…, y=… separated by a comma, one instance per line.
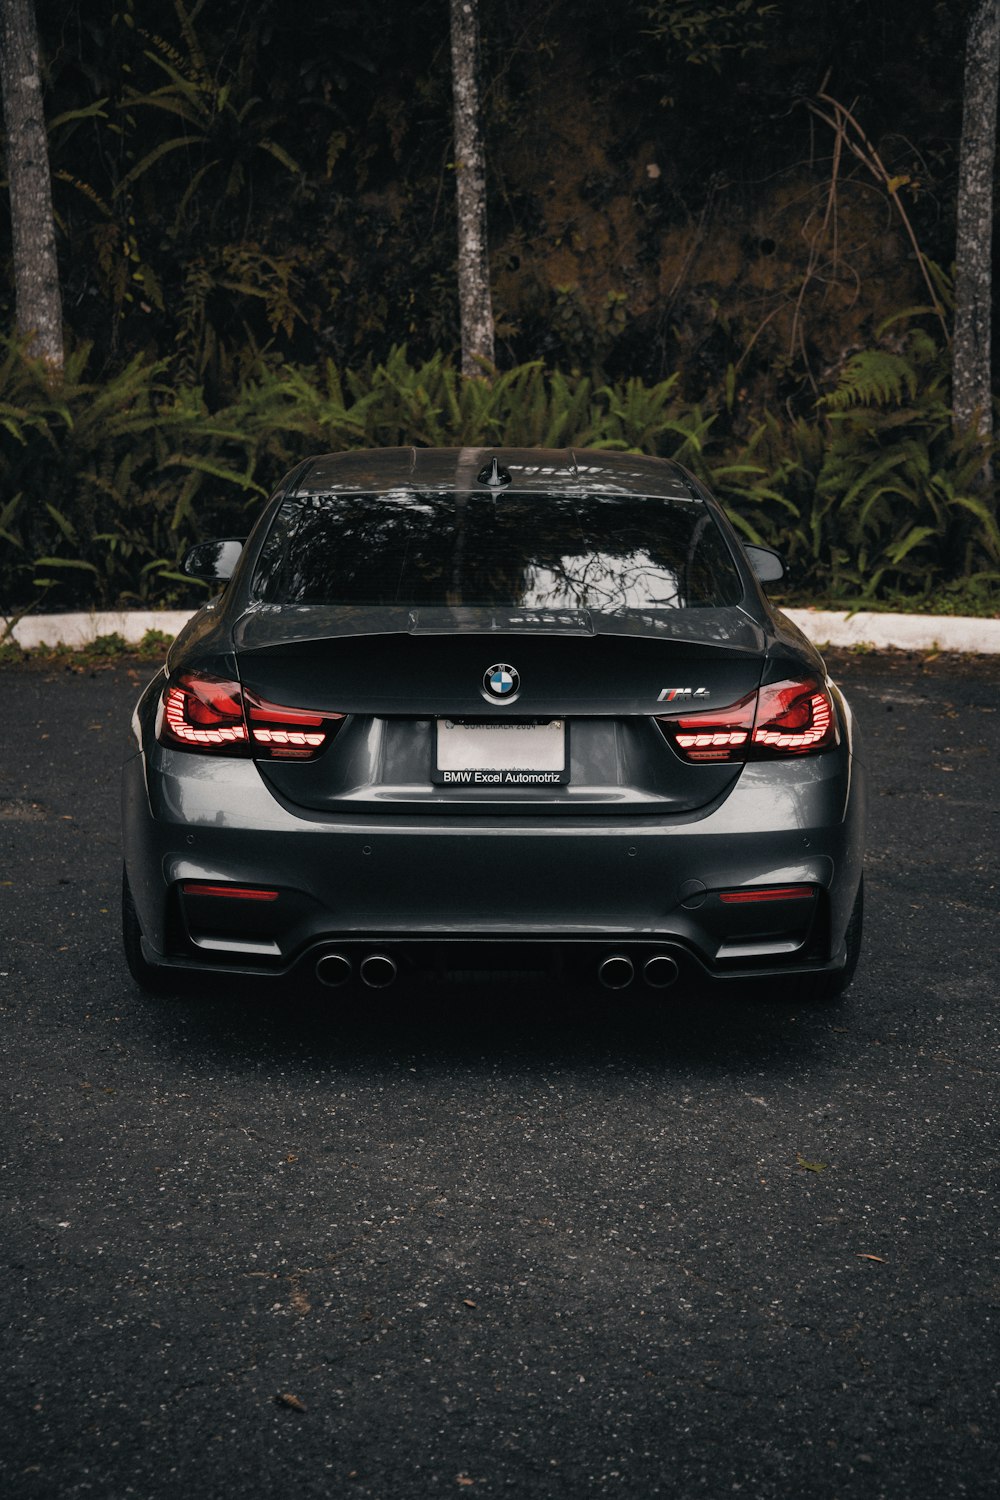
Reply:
x=104, y=651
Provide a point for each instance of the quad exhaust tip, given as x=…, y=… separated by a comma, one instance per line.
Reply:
x=616, y=971
x=377, y=971
x=333, y=970
x=660, y=971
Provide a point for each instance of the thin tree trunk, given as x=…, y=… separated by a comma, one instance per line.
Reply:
x=475, y=302
x=972, y=394
x=36, y=271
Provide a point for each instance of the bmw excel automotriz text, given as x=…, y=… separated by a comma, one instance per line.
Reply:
x=465, y=709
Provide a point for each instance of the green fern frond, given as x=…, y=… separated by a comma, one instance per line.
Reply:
x=873, y=377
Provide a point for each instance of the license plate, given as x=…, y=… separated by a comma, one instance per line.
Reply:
x=478, y=754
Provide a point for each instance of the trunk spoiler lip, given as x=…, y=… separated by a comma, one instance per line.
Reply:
x=272, y=627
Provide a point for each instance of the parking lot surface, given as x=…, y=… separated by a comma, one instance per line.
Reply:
x=492, y=1242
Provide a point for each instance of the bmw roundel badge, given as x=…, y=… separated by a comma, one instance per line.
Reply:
x=501, y=680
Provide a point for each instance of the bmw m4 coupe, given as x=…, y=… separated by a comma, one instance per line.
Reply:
x=472, y=710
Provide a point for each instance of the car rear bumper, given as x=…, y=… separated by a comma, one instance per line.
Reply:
x=517, y=960
x=433, y=888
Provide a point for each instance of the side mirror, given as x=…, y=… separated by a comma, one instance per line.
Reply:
x=215, y=561
x=766, y=563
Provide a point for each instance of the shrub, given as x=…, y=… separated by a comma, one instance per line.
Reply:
x=111, y=480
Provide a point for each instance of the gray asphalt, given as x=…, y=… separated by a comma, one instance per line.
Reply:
x=497, y=1243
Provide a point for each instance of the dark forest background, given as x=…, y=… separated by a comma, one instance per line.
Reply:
x=694, y=251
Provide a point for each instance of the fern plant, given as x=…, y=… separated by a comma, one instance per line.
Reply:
x=105, y=476
x=108, y=481
x=874, y=493
x=220, y=124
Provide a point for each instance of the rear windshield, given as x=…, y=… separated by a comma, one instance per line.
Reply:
x=611, y=553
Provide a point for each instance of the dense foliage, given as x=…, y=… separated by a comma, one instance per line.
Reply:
x=255, y=214
x=111, y=481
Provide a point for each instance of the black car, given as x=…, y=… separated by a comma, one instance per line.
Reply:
x=475, y=709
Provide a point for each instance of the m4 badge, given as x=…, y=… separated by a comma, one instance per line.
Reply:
x=672, y=695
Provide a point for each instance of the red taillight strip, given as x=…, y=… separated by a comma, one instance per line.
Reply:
x=173, y=712
x=233, y=892
x=286, y=737
x=789, y=718
x=819, y=729
x=712, y=738
x=273, y=713
x=204, y=712
x=767, y=893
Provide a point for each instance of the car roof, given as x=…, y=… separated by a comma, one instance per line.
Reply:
x=542, y=470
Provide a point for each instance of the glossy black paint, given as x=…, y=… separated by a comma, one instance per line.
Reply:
x=215, y=561
x=766, y=563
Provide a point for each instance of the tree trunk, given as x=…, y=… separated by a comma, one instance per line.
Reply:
x=475, y=302
x=36, y=271
x=972, y=394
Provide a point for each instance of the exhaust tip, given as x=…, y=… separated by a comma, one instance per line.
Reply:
x=377, y=971
x=660, y=971
x=616, y=971
x=333, y=970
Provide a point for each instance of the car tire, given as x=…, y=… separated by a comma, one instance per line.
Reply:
x=145, y=974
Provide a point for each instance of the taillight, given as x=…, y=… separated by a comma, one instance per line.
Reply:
x=780, y=719
x=201, y=712
x=287, y=733
x=215, y=716
x=718, y=735
x=794, y=718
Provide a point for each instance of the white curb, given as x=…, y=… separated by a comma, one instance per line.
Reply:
x=83, y=629
x=825, y=627
x=829, y=627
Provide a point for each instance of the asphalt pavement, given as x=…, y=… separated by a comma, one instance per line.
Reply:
x=490, y=1242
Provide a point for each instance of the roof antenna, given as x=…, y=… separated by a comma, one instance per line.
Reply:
x=493, y=476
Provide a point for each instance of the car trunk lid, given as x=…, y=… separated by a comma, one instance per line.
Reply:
x=398, y=672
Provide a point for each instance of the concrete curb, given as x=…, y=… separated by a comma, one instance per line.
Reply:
x=83, y=629
x=825, y=627
x=904, y=632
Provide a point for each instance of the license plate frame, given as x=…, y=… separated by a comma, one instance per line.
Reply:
x=483, y=763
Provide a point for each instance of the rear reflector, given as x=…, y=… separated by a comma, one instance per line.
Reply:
x=779, y=719
x=233, y=892
x=748, y=894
